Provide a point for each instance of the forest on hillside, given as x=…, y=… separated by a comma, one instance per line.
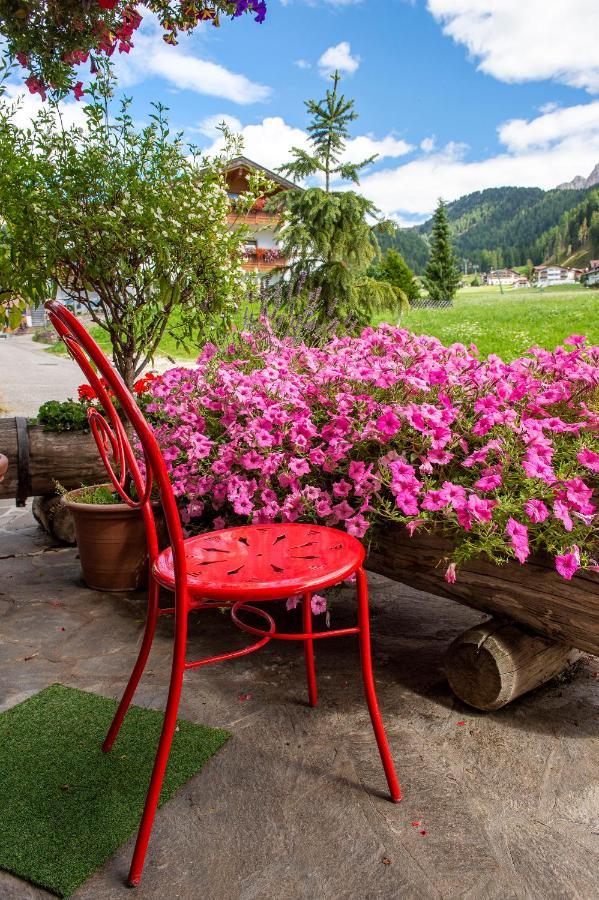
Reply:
x=511, y=226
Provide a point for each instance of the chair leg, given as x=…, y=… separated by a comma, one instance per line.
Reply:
x=369, y=688
x=163, y=751
x=309, y=650
x=142, y=658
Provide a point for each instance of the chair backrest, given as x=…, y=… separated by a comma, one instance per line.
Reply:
x=110, y=431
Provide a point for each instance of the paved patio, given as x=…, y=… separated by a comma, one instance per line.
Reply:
x=294, y=805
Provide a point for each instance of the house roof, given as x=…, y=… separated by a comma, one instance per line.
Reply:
x=552, y=266
x=242, y=162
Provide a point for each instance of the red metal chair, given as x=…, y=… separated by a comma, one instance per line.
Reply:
x=229, y=568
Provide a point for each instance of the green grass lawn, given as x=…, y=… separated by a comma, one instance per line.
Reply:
x=510, y=323
x=505, y=323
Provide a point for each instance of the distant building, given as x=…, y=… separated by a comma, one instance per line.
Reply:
x=553, y=274
x=503, y=276
x=591, y=278
x=261, y=253
x=522, y=282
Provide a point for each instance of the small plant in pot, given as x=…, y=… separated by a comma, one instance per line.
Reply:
x=110, y=534
x=110, y=537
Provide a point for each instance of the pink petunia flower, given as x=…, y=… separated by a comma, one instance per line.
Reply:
x=341, y=488
x=293, y=601
x=568, y=563
x=482, y=510
x=318, y=604
x=561, y=512
x=518, y=535
x=590, y=459
x=388, y=424
x=488, y=482
x=536, y=511
x=299, y=466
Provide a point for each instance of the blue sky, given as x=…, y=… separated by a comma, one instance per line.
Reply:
x=455, y=95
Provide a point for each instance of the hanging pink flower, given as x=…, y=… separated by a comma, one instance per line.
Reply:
x=450, y=573
x=518, y=535
x=293, y=601
x=318, y=604
x=568, y=563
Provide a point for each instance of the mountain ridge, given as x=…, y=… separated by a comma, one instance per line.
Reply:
x=579, y=182
x=510, y=226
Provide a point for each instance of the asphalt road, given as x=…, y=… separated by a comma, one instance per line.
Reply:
x=29, y=376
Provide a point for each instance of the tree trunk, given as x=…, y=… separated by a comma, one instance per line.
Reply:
x=491, y=664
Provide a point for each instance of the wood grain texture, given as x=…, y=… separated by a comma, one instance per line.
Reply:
x=533, y=594
x=54, y=517
x=491, y=664
x=69, y=458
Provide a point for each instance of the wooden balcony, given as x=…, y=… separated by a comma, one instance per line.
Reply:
x=259, y=219
x=257, y=262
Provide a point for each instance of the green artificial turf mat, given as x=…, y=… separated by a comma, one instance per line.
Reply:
x=66, y=807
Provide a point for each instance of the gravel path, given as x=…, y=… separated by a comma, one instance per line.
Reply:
x=29, y=376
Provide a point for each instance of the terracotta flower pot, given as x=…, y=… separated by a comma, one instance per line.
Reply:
x=112, y=544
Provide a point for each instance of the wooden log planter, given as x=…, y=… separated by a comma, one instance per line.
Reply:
x=539, y=616
x=38, y=459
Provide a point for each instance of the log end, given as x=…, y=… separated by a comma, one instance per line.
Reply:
x=491, y=664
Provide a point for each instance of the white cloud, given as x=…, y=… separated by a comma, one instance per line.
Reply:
x=427, y=145
x=71, y=111
x=526, y=41
x=548, y=107
x=338, y=57
x=364, y=146
x=270, y=142
x=554, y=125
x=182, y=69
x=302, y=64
x=210, y=125
x=543, y=152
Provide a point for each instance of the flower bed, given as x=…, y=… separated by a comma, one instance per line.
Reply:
x=390, y=426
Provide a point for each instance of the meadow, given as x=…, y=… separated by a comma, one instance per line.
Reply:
x=509, y=323
x=505, y=323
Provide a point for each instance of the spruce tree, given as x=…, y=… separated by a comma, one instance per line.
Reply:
x=394, y=269
x=326, y=232
x=442, y=275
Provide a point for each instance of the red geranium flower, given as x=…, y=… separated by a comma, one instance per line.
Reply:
x=86, y=392
x=143, y=384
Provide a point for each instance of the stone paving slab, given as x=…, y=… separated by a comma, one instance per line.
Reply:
x=294, y=805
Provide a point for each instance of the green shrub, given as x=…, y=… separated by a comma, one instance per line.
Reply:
x=63, y=415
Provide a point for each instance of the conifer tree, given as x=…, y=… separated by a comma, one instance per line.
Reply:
x=326, y=232
x=442, y=275
x=394, y=269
